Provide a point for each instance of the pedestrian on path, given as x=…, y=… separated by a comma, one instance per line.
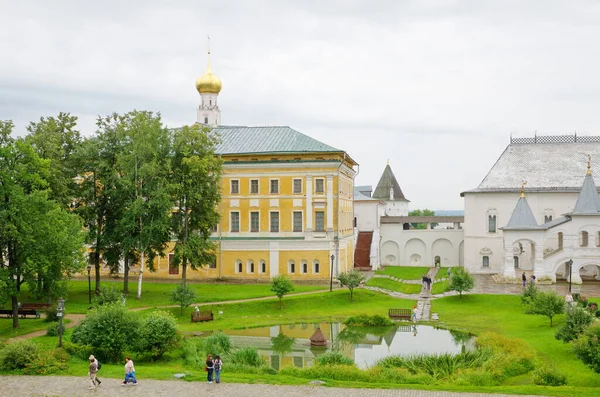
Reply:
x=429, y=281
x=218, y=364
x=129, y=372
x=425, y=281
x=97, y=368
x=449, y=272
x=92, y=373
x=532, y=279
x=414, y=314
x=524, y=278
x=210, y=367
x=569, y=300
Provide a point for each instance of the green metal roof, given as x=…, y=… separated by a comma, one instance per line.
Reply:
x=242, y=140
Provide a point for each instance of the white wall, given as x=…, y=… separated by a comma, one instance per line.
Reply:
x=419, y=247
x=396, y=208
x=367, y=214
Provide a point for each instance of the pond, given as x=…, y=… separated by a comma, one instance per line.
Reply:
x=289, y=344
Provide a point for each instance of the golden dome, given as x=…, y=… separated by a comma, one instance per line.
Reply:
x=208, y=82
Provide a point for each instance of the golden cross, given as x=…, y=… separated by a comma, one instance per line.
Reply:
x=523, y=183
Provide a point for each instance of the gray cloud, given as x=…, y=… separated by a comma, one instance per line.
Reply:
x=434, y=86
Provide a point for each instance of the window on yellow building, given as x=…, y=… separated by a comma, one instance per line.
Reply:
x=274, y=186
x=173, y=268
x=235, y=186
x=250, y=266
x=253, y=186
x=304, y=267
x=317, y=267
x=235, y=222
x=274, y=222
x=319, y=185
x=297, y=221
x=320, y=221
x=238, y=266
x=297, y=186
x=292, y=267
x=263, y=267
x=254, y=221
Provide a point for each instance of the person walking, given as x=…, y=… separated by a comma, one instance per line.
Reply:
x=425, y=281
x=569, y=300
x=524, y=278
x=414, y=314
x=429, y=281
x=532, y=279
x=129, y=372
x=97, y=368
x=218, y=364
x=92, y=372
x=210, y=367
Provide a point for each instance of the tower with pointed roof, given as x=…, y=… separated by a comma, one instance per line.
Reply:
x=209, y=87
x=388, y=190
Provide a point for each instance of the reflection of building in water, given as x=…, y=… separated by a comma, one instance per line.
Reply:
x=286, y=353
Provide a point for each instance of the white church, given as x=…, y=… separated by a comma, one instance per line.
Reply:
x=536, y=210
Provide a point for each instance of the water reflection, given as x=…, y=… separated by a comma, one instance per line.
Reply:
x=285, y=345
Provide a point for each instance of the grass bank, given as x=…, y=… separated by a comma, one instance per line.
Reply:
x=404, y=272
x=393, y=285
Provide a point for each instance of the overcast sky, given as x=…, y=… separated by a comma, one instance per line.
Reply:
x=435, y=87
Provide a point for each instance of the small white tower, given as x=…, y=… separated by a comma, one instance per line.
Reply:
x=209, y=86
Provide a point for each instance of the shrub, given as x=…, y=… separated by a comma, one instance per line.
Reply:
x=578, y=319
x=109, y=329
x=48, y=363
x=547, y=303
x=529, y=294
x=375, y=375
x=52, y=314
x=587, y=347
x=194, y=351
x=79, y=351
x=281, y=286
x=18, y=355
x=351, y=279
x=334, y=358
x=158, y=334
x=511, y=357
x=247, y=356
x=52, y=329
x=376, y=320
x=217, y=344
x=183, y=295
x=549, y=377
x=109, y=295
x=461, y=280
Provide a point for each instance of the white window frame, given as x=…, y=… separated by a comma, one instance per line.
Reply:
x=316, y=267
x=301, y=221
x=271, y=186
x=250, y=225
x=250, y=266
x=257, y=186
x=231, y=221
x=291, y=266
x=323, y=185
x=231, y=183
x=303, y=267
x=483, y=261
x=271, y=222
x=237, y=269
x=294, y=186
x=262, y=267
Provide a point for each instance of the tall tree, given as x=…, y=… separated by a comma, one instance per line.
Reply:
x=419, y=212
x=144, y=165
x=195, y=175
x=39, y=240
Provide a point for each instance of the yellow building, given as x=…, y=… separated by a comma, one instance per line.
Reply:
x=286, y=205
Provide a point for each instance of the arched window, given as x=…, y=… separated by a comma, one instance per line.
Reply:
x=516, y=261
x=304, y=267
x=292, y=269
x=238, y=266
x=492, y=223
x=263, y=267
x=250, y=266
x=486, y=261
x=317, y=269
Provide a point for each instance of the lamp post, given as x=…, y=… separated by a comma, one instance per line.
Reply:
x=60, y=311
x=89, y=268
x=570, y=263
x=331, y=275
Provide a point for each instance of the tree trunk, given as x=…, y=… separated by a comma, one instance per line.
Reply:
x=185, y=240
x=15, y=310
x=139, y=288
x=97, y=253
x=126, y=275
x=183, y=270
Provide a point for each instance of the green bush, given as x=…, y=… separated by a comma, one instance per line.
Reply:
x=511, y=357
x=48, y=363
x=109, y=295
x=334, y=358
x=247, y=356
x=376, y=375
x=79, y=351
x=217, y=344
x=192, y=353
x=109, y=330
x=157, y=335
x=184, y=296
x=52, y=329
x=529, y=294
x=578, y=319
x=587, y=347
x=18, y=355
x=52, y=314
x=365, y=320
x=549, y=377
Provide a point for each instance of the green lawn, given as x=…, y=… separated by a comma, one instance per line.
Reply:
x=404, y=272
x=392, y=285
x=26, y=326
x=504, y=314
x=442, y=273
x=439, y=287
x=159, y=294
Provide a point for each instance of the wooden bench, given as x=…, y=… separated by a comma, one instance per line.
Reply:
x=36, y=306
x=23, y=313
x=206, y=315
x=400, y=314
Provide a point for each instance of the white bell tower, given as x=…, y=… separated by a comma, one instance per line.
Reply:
x=209, y=86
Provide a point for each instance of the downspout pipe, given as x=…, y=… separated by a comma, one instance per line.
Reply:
x=221, y=229
x=337, y=230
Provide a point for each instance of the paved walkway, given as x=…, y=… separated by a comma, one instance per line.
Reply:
x=70, y=386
